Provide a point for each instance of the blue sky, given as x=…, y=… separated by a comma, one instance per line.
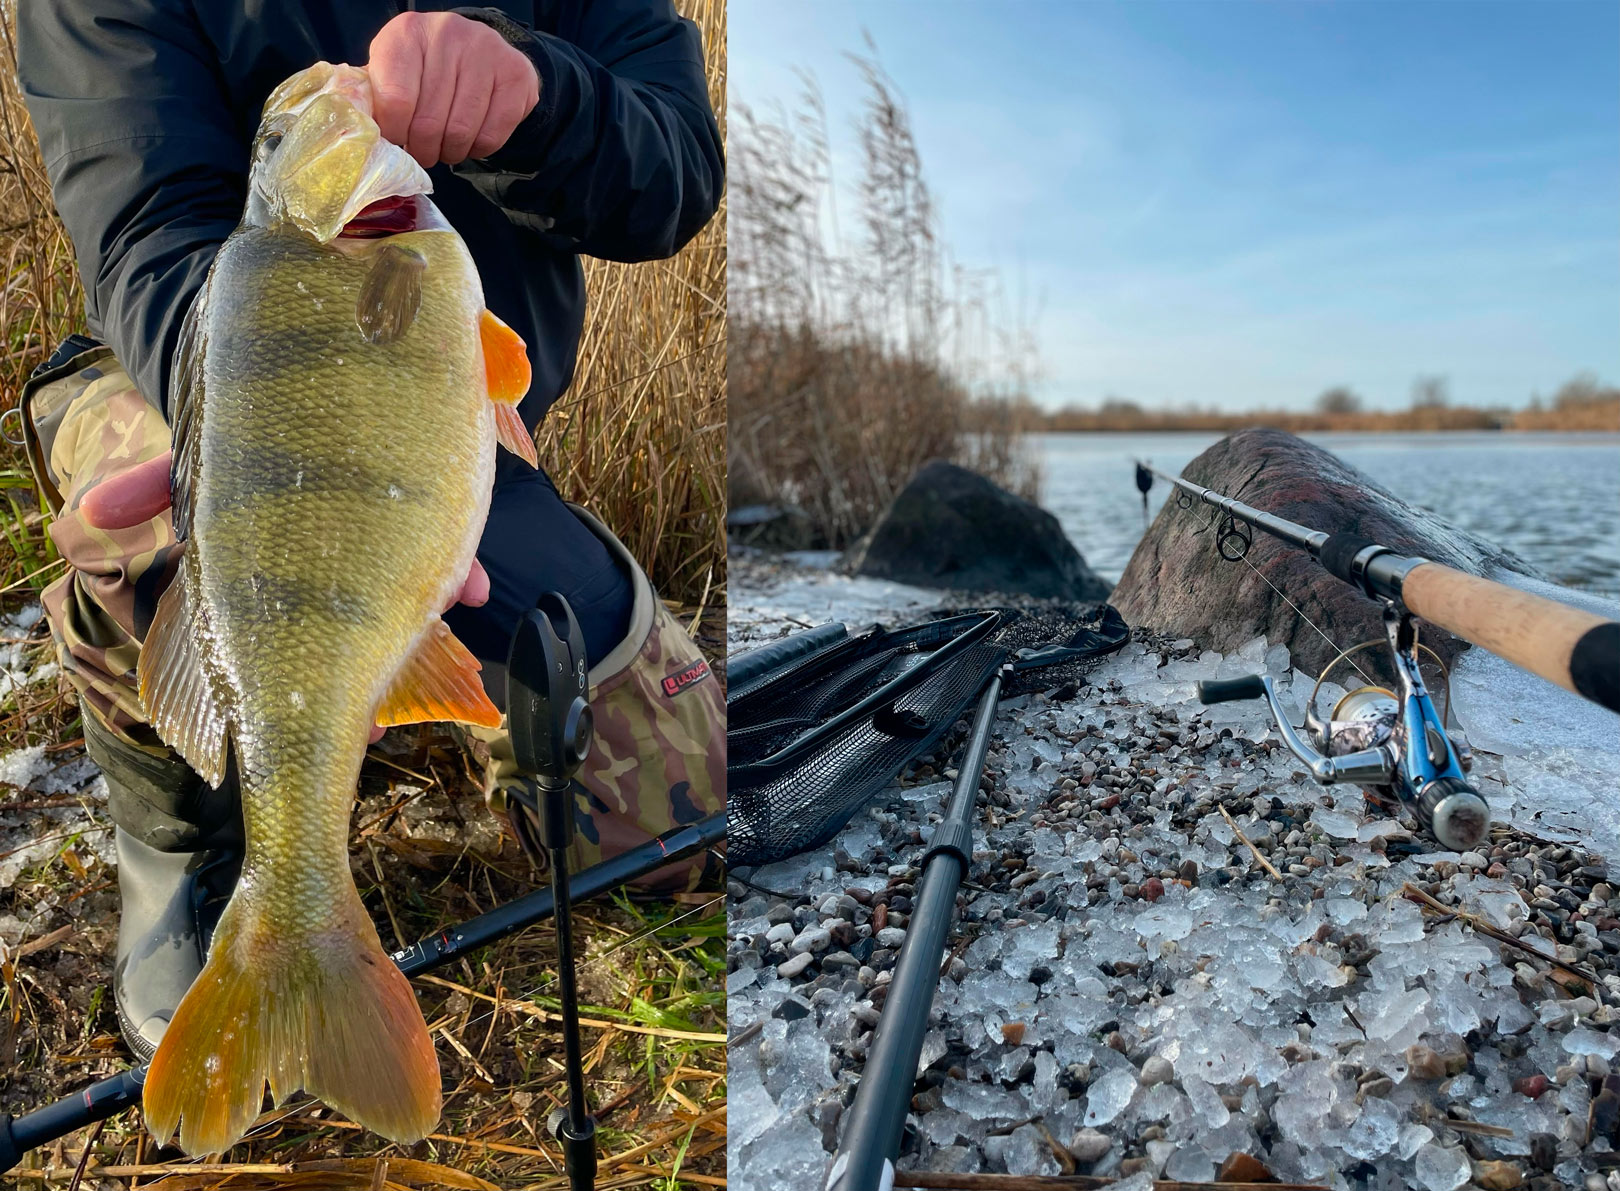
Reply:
x=1241, y=203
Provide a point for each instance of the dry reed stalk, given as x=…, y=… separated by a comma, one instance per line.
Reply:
x=641, y=435
x=854, y=360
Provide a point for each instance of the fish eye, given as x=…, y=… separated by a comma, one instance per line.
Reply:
x=268, y=144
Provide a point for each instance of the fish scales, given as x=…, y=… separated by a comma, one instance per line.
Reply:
x=364, y=538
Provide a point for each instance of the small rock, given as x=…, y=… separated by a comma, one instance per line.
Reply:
x=1013, y=1033
x=1244, y=1168
x=1603, y=1119
x=812, y=938
x=1152, y=889
x=1423, y=1063
x=1544, y=1150
x=793, y=967
x=1088, y=1145
x=890, y=936
x=1531, y=1085
x=1155, y=1071
x=1473, y=860
x=1497, y=1176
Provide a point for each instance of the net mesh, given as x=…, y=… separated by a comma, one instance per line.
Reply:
x=797, y=779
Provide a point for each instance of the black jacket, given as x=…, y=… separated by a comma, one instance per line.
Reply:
x=145, y=110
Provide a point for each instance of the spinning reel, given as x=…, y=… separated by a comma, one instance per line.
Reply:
x=1393, y=744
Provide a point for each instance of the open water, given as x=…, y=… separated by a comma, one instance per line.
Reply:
x=1552, y=498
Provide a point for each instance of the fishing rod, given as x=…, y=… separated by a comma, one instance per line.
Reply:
x=112, y=1095
x=1393, y=743
x=550, y=717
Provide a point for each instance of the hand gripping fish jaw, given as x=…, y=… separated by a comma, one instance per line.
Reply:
x=549, y=718
x=1394, y=744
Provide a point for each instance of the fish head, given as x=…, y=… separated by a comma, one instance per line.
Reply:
x=319, y=158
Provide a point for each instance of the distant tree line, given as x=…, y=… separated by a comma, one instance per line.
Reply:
x=1581, y=403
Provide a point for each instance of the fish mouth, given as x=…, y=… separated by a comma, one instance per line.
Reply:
x=386, y=217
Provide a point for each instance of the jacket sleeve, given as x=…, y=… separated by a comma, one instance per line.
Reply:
x=621, y=158
x=145, y=161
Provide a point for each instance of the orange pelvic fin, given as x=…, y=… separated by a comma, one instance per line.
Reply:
x=506, y=370
x=329, y=1014
x=440, y=682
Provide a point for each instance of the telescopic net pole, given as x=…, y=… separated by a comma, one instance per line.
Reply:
x=877, y=1119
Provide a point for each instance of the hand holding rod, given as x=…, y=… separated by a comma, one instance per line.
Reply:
x=548, y=714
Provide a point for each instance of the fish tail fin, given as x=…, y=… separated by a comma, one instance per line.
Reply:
x=331, y=1015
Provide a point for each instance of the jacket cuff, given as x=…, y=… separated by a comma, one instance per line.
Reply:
x=521, y=153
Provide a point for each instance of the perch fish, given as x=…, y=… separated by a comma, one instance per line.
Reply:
x=339, y=393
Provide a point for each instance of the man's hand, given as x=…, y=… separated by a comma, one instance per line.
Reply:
x=142, y=492
x=448, y=88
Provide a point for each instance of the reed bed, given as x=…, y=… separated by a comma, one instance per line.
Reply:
x=858, y=350
x=640, y=438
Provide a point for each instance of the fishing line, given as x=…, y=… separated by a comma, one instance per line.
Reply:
x=1305, y=618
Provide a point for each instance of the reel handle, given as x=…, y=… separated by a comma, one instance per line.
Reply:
x=1226, y=690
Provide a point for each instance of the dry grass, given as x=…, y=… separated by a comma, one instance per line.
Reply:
x=857, y=355
x=425, y=853
x=640, y=438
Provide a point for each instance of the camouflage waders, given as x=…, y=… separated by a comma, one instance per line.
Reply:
x=659, y=755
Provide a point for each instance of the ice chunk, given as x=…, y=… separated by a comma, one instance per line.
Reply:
x=1442, y=1168
x=1374, y=1132
x=1590, y=1042
x=1345, y=910
x=1023, y=1151
x=1109, y=1096
x=1190, y=1163
x=789, y=1154
x=981, y=1101
x=1206, y=1102
x=1336, y=823
x=24, y=766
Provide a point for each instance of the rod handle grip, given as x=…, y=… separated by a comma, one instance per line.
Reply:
x=1576, y=650
x=1225, y=690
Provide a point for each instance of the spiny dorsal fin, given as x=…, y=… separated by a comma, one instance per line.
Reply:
x=439, y=682
x=391, y=295
x=506, y=371
x=180, y=701
x=185, y=412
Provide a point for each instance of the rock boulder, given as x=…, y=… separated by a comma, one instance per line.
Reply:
x=1176, y=583
x=952, y=528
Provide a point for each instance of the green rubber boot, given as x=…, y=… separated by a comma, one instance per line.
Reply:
x=179, y=844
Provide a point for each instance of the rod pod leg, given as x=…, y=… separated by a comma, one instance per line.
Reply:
x=549, y=717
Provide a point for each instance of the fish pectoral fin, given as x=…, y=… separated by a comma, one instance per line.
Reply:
x=439, y=682
x=180, y=700
x=506, y=371
x=391, y=294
